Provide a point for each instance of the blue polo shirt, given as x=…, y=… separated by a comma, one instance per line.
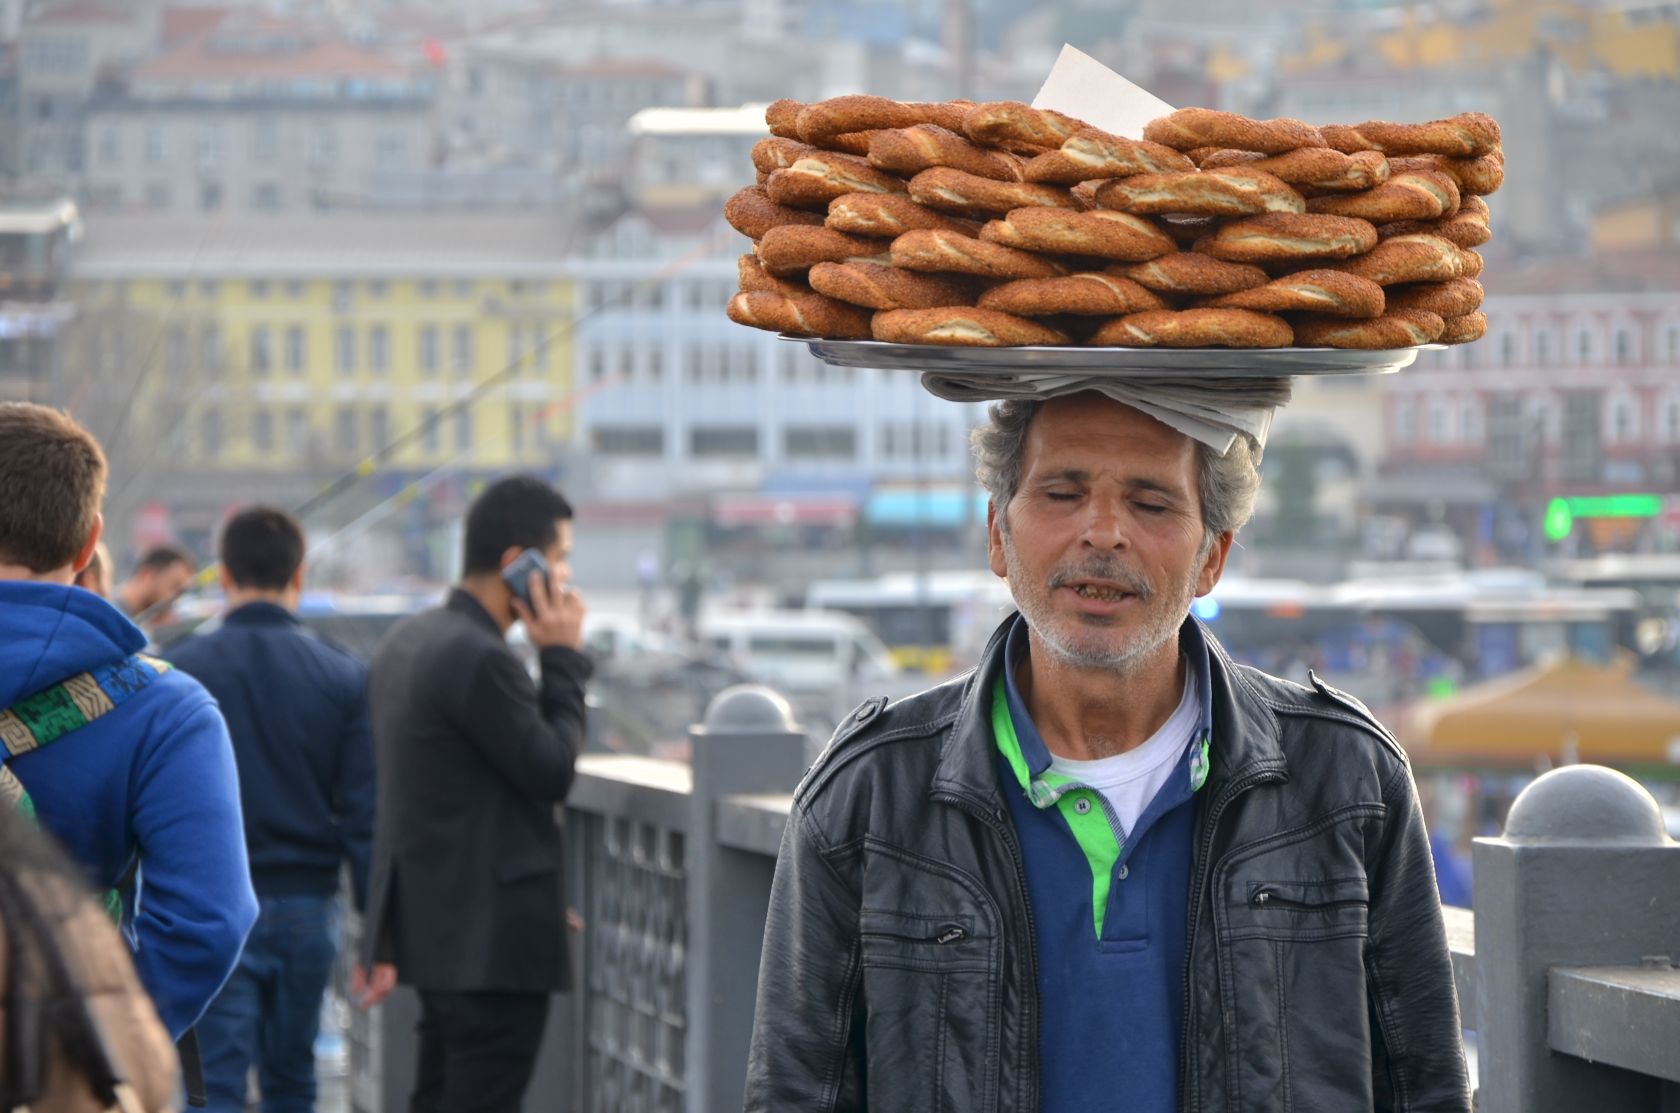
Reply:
x=1108, y=909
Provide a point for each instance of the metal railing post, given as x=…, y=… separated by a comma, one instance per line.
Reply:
x=1584, y=875
x=749, y=743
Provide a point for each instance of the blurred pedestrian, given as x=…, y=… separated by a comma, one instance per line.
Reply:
x=123, y=758
x=472, y=757
x=148, y=596
x=81, y=1035
x=296, y=708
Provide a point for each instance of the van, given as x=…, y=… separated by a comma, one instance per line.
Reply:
x=811, y=652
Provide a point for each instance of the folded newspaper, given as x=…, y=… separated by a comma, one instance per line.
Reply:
x=1211, y=410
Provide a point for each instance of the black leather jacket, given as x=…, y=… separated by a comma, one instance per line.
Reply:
x=899, y=958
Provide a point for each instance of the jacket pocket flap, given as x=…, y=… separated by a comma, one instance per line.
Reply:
x=914, y=940
x=1308, y=896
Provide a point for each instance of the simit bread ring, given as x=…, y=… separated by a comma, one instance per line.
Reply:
x=890, y=215
x=1233, y=192
x=1100, y=233
x=1195, y=328
x=1468, y=227
x=1452, y=298
x=1086, y=295
x=777, y=153
x=975, y=328
x=795, y=248
x=810, y=315
x=815, y=180
x=852, y=143
x=1469, y=263
x=1018, y=127
x=1411, y=258
x=1312, y=168
x=752, y=213
x=819, y=123
x=1318, y=291
x=754, y=278
x=1093, y=153
x=1283, y=236
x=1464, y=330
x=1189, y=128
x=882, y=287
x=1479, y=176
x=1186, y=230
x=1467, y=135
x=1186, y=272
x=1414, y=195
x=952, y=191
x=783, y=117
x=914, y=149
x=1403, y=328
x=952, y=253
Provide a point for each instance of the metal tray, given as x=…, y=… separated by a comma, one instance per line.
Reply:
x=1260, y=363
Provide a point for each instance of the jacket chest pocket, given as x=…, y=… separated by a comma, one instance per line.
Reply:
x=932, y=968
x=1293, y=922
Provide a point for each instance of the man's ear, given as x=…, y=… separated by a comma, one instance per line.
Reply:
x=84, y=557
x=1213, y=565
x=296, y=582
x=994, y=541
x=509, y=555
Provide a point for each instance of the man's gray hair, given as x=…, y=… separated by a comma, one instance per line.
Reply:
x=1226, y=484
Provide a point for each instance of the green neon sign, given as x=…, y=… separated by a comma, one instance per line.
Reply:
x=1562, y=512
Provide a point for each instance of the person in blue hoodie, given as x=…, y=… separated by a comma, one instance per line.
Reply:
x=297, y=710
x=124, y=759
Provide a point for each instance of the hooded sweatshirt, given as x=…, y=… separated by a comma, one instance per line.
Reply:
x=153, y=778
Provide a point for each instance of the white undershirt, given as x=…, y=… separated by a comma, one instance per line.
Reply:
x=1130, y=780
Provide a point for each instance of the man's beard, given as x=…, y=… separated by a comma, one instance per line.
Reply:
x=1161, y=618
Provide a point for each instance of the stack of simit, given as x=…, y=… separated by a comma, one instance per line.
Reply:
x=1001, y=224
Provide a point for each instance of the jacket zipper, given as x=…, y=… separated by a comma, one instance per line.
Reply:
x=945, y=934
x=1192, y=1091
x=995, y=821
x=1267, y=898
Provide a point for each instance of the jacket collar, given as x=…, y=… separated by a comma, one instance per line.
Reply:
x=1245, y=730
x=461, y=602
x=260, y=614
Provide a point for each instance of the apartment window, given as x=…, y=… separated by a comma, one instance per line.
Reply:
x=265, y=141
x=463, y=350
x=257, y=288
x=1505, y=453
x=209, y=144
x=297, y=351
x=596, y=360
x=427, y=288
x=209, y=289
x=1671, y=421
x=655, y=364
x=1671, y=344
x=1440, y=427
x=463, y=428
x=342, y=294
x=1507, y=349
x=344, y=349
x=628, y=440
x=209, y=197
x=1406, y=421
x=515, y=346
x=1584, y=347
x=723, y=440
x=1543, y=348
x=379, y=349
x=391, y=145
x=210, y=348
x=175, y=348
x=820, y=442
x=262, y=431
x=344, y=431
x=154, y=145
x=378, y=288
x=210, y=433
x=540, y=345
x=265, y=197
x=109, y=149
x=428, y=350
x=1624, y=422
x=157, y=196
x=1581, y=437
x=294, y=288
x=379, y=428
x=262, y=351
x=1624, y=347
x=297, y=431
x=323, y=144
x=429, y=430
x=463, y=289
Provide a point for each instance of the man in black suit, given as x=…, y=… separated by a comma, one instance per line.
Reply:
x=472, y=757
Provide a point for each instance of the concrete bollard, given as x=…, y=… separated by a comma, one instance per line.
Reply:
x=748, y=744
x=1584, y=875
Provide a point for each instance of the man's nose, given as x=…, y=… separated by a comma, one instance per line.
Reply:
x=1106, y=523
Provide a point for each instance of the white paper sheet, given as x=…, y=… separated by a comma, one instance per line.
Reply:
x=1083, y=87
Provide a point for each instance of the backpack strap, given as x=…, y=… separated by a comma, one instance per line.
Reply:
x=46, y=716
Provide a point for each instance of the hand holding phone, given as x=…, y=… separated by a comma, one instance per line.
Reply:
x=552, y=612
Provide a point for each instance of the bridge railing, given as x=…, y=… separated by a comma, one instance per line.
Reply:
x=1565, y=971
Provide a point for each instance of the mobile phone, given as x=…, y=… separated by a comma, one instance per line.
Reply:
x=518, y=574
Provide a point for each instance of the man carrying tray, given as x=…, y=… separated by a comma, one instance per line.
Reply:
x=1109, y=868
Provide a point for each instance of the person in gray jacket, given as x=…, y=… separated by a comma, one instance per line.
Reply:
x=1109, y=868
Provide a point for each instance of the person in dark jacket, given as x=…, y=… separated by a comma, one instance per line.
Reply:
x=473, y=756
x=1108, y=869
x=296, y=708
x=122, y=758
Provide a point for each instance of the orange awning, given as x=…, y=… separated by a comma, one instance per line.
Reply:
x=1567, y=711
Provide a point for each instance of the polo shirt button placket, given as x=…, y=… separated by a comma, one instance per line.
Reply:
x=1082, y=805
x=1123, y=872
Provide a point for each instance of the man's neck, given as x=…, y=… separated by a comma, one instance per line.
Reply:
x=241, y=597
x=493, y=595
x=65, y=575
x=1086, y=714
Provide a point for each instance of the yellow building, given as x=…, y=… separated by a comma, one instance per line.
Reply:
x=222, y=361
